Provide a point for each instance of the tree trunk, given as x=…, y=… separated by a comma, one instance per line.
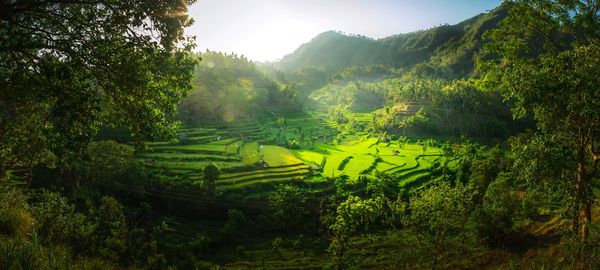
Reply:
x=583, y=203
x=586, y=220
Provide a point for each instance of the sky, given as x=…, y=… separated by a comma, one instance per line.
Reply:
x=267, y=30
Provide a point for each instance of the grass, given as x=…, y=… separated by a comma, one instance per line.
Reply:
x=191, y=148
x=225, y=141
x=149, y=157
x=263, y=175
x=238, y=175
x=259, y=181
x=197, y=165
x=240, y=145
x=229, y=147
x=364, y=153
x=279, y=156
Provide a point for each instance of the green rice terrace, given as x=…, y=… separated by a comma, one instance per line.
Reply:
x=295, y=148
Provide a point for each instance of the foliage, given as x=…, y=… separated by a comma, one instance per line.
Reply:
x=231, y=88
x=498, y=212
x=57, y=220
x=351, y=215
x=439, y=216
x=422, y=105
x=110, y=63
x=211, y=174
x=287, y=206
x=383, y=185
x=236, y=227
x=15, y=219
x=108, y=160
x=555, y=79
x=110, y=229
x=447, y=50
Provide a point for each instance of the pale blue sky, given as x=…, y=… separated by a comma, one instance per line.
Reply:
x=266, y=30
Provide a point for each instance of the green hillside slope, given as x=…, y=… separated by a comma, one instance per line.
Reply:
x=450, y=49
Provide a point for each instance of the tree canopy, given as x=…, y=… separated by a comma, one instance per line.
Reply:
x=69, y=67
x=549, y=57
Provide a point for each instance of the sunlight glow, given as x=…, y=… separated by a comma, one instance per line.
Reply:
x=267, y=30
x=275, y=40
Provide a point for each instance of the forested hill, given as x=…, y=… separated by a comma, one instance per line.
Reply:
x=447, y=49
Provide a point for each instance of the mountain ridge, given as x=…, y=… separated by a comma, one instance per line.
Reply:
x=450, y=49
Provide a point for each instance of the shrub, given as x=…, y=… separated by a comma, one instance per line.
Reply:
x=494, y=219
x=109, y=161
x=20, y=254
x=344, y=163
x=56, y=219
x=286, y=205
x=15, y=219
x=16, y=222
x=201, y=244
x=110, y=233
x=439, y=216
x=323, y=162
x=236, y=225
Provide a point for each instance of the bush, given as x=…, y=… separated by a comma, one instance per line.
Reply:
x=344, y=163
x=57, y=220
x=439, y=216
x=15, y=219
x=577, y=254
x=286, y=205
x=110, y=161
x=494, y=219
x=110, y=233
x=234, y=229
x=20, y=254
x=16, y=222
x=201, y=244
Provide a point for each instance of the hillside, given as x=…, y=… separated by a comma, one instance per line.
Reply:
x=230, y=88
x=449, y=49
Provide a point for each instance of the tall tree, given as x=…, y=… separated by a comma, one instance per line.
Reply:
x=549, y=61
x=211, y=175
x=68, y=67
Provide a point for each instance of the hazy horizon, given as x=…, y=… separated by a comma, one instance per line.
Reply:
x=266, y=30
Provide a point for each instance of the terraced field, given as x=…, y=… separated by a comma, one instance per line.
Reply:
x=246, y=156
x=303, y=128
x=283, y=173
x=238, y=150
x=412, y=165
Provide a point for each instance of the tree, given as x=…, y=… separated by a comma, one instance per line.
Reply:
x=69, y=67
x=236, y=226
x=211, y=175
x=402, y=141
x=426, y=144
x=287, y=205
x=230, y=88
x=548, y=66
x=439, y=216
x=110, y=230
x=108, y=160
x=418, y=118
x=351, y=215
